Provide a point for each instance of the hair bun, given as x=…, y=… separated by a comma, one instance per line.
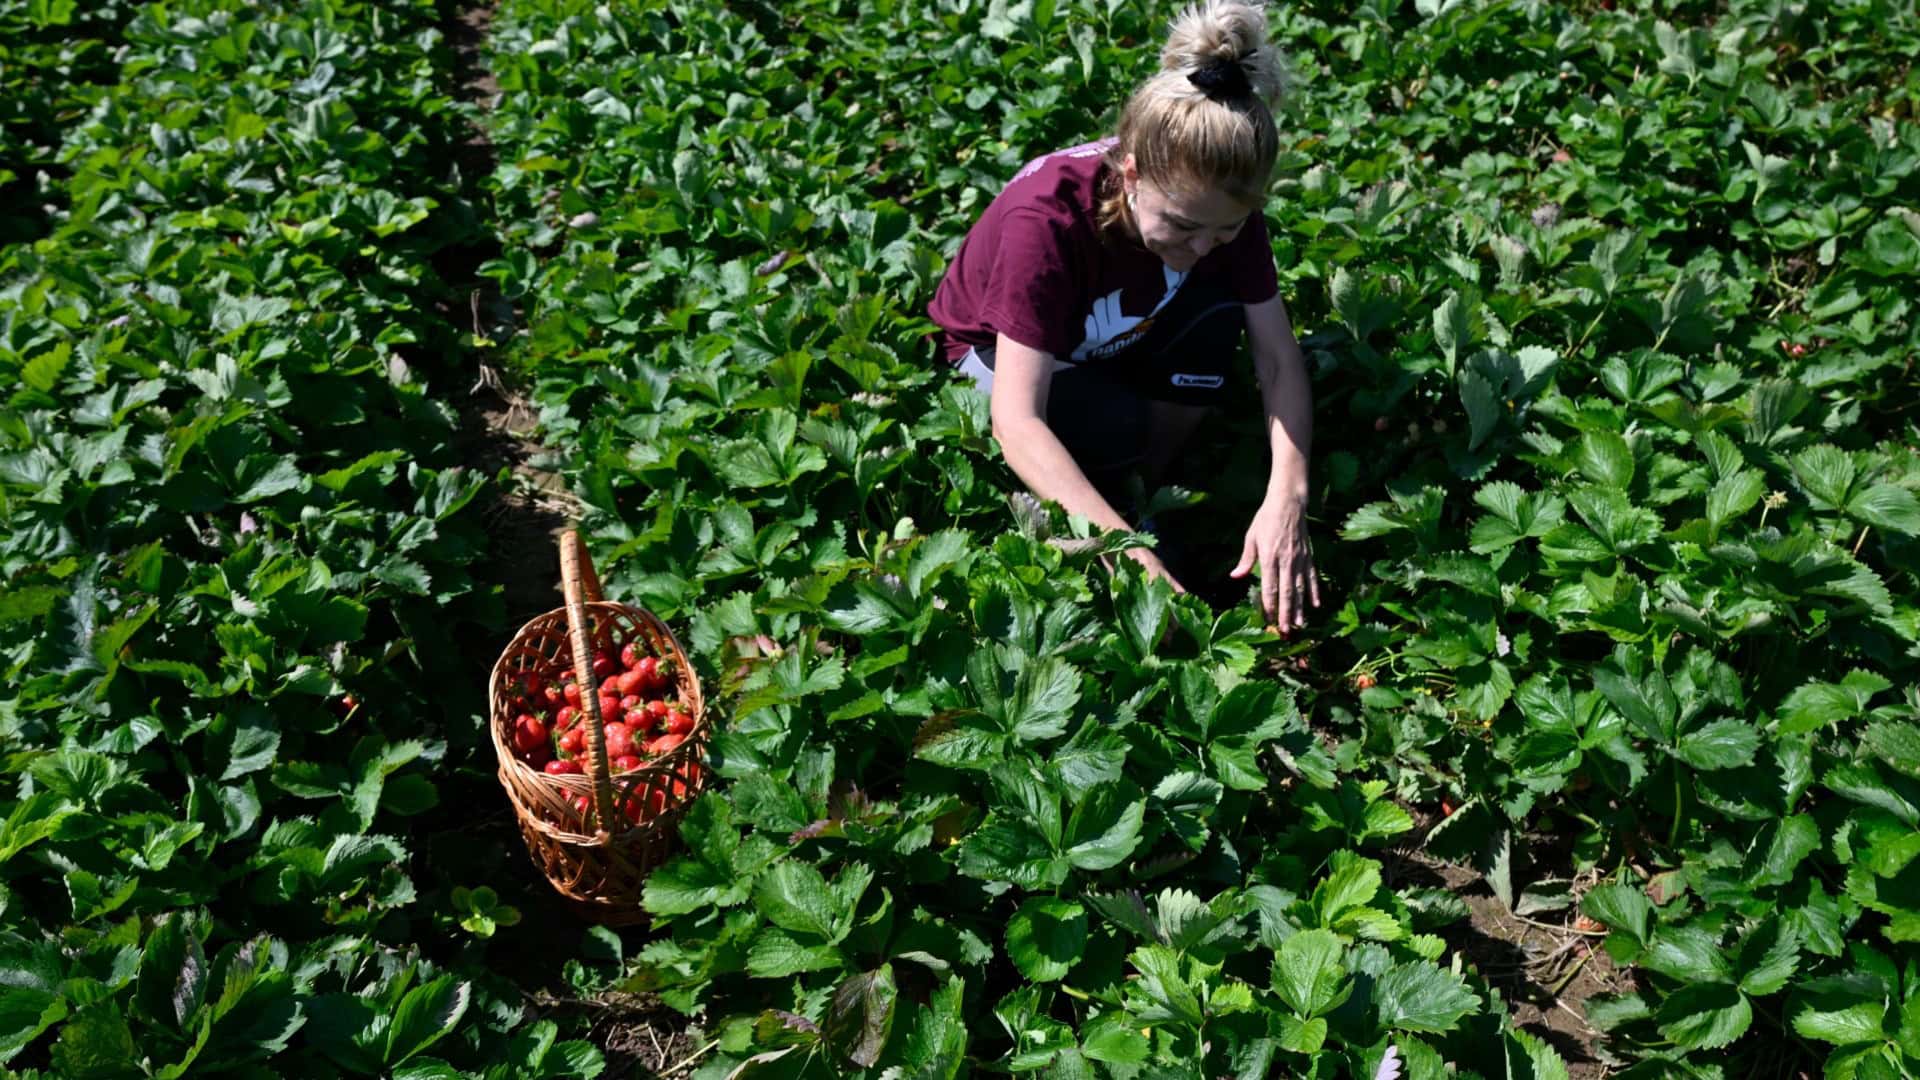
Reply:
x=1222, y=79
x=1220, y=48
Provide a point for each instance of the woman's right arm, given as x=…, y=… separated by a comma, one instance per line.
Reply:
x=1021, y=375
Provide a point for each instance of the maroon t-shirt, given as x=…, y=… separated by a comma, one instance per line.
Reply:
x=1035, y=267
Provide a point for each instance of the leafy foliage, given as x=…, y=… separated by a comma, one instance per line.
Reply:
x=1614, y=472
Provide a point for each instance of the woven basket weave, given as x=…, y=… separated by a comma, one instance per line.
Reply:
x=600, y=871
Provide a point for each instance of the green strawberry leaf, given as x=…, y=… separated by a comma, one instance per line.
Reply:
x=1689, y=954
x=1421, y=997
x=1105, y=828
x=1767, y=957
x=427, y=1014
x=1166, y=989
x=1705, y=1016
x=1045, y=938
x=1308, y=973
x=1721, y=744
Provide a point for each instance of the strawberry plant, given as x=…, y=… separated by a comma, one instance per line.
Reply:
x=235, y=530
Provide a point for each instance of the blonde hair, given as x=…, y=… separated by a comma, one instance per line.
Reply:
x=1187, y=139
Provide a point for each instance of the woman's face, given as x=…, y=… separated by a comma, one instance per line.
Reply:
x=1182, y=227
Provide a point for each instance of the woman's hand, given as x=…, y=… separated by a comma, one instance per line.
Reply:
x=1277, y=543
x=1155, y=568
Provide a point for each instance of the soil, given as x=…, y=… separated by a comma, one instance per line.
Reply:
x=1544, y=967
x=524, y=516
x=641, y=1038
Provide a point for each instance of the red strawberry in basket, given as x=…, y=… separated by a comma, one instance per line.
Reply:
x=528, y=732
x=619, y=740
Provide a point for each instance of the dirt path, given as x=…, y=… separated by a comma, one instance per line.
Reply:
x=638, y=1034
x=525, y=514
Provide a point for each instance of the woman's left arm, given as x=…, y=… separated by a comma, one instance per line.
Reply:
x=1277, y=539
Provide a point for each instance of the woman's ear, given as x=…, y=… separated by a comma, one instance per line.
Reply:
x=1129, y=172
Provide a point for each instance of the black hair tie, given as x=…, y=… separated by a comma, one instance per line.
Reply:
x=1222, y=79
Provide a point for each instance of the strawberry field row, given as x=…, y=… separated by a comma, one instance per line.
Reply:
x=229, y=497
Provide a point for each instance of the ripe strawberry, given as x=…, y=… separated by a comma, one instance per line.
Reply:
x=637, y=719
x=665, y=744
x=619, y=740
x=528, y=732
x=655, y=674
x=565, y=717
x=679, y=722
x=553, y=695
x=574, y=741
x=630, y=702
x=603, y=665
x=626, y=763
x=631, y=654
x=572, y=693
x=563, y=767
x=630, y=681
x=539, y=755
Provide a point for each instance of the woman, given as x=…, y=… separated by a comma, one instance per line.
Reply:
x=1099, y=299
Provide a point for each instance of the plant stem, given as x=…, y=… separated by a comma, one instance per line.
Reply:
x=1567, y=979
x=689, y=1059
x=1590, y=328
x=1673, y=833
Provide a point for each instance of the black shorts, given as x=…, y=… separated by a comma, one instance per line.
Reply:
x=1101, y=410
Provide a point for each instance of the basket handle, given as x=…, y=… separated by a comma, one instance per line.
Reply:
x=579, y=585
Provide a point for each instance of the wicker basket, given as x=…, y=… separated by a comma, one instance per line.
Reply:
x=601, y=872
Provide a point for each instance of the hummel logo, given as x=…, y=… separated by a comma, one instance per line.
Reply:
x=1208, y=381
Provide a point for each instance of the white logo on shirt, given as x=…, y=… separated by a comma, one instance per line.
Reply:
x=1109, y=330
x=1208, y=381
